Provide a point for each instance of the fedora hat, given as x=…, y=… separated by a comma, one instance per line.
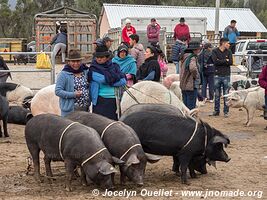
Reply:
x=101, y=51
x=74, y=54
x=193, y=46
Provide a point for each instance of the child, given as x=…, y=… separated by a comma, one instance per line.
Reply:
x=163, y=65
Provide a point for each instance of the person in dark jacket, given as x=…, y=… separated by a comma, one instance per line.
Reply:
x=60, y=42
x=222, y=58
x=207, y=71
x=4, y=75
x=150, y=69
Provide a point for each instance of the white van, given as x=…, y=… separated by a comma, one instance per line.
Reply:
x=253, y=45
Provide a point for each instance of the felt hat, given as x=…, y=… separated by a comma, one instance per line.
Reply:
x=101, y=51
x=74, y=54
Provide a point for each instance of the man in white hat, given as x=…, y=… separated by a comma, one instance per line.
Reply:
x=127, y=31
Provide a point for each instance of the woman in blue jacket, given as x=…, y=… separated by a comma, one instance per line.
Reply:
x=72, y=86
x=104, y=77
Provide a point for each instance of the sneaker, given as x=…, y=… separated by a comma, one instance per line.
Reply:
x=211, y=101
x=215, y=114
x=226, y=115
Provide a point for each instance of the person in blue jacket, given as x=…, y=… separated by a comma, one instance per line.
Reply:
x=72, y=86
x=104, y=77
x=231, y=33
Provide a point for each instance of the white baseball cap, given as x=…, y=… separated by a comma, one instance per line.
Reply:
x=127, y=21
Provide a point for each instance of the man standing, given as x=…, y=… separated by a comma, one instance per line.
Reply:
x=231, y=33
x=153, y=31
x=127, y=31
x=189, y=75
x=181, y=30
x=137, y=50
x=222, y=58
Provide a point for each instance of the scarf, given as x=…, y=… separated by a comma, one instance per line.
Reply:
x=110, y=70
x=127, y=64
x=68, y=68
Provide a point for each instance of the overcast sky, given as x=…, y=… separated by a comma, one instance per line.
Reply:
x=12, y=4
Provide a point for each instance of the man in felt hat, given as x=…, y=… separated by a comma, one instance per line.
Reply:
x=72, y=86
x=189, y=74
x=127, y=31
x=104, y=77
x=182, y=30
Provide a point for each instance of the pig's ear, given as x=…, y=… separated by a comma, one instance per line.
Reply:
x=132, y=160
x=220, y=139
x=117, y=161
x=152, y=158
x=107, y=169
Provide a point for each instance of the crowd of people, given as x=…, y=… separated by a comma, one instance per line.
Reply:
x=200, y=66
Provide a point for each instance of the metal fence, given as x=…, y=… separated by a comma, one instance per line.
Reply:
x=252, y=64
x=51, y=71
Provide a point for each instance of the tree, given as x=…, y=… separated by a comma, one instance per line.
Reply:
x=5, y=18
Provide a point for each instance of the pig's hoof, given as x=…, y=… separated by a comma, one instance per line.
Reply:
x=193, y=175
x=7, y=135
x=185, y=182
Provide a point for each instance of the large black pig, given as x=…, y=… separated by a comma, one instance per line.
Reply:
x=198, y=162
x=3, y=115
x=171, y=135
x=18, y=115
x=78, y=144
x=120, y=140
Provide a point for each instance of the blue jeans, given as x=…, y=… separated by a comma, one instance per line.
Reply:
x=190, y=98
x=265, y=97
x=177, y=67
x=221, y=82
x=208, y=80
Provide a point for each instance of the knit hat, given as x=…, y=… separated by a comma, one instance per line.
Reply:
x=122, y=48
x=74, y=54
x=101, y=51
x=128, y=21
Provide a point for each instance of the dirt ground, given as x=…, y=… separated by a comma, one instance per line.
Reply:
x=247, y=170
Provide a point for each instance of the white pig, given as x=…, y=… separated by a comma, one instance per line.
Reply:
x=251, y=99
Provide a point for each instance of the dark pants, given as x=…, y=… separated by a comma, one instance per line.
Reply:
x=106, y=107
x=190, y=98
x=208, y=80
x=221, y=82
x=265, y=100
x=232, y=47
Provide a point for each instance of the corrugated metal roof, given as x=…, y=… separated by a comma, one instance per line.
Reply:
x=246, y=20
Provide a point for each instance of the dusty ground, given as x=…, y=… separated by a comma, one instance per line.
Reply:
x=247, y=170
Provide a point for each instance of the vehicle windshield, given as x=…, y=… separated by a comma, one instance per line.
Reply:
x=257, y=45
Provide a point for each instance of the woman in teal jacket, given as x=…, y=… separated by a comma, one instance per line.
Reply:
x=72, y=86
x=127, y=64
x=104, y=76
